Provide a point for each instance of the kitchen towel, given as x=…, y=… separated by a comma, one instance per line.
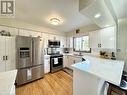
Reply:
x=55, y=61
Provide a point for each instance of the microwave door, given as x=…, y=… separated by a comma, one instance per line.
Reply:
x=37, y=51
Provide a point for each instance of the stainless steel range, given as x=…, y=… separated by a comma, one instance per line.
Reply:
x=56, y=62
x=29, y=59
x=56, y=59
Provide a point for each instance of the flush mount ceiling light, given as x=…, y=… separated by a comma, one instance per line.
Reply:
x=55, y=21
x=97, y=15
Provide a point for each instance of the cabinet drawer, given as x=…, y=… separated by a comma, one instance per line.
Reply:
x=37, y=72
x=29, y=74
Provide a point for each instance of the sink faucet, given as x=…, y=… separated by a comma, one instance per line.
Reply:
x=80, y=53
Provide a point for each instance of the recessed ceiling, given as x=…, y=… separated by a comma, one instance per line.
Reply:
x=39, y=12
x=120, y=8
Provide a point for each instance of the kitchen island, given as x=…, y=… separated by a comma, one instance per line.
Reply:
x=7, y=80
x=89, y=76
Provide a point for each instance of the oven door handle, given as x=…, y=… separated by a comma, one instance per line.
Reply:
x=56, y=57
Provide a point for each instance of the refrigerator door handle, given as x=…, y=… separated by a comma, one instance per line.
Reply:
x=31, y=51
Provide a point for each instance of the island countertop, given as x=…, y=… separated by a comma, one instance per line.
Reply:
x=106, y=69
x=7, y=80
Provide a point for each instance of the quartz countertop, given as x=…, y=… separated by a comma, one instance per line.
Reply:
x=109, y=70
x=7, y=80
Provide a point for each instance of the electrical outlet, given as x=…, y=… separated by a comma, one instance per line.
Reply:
x=118, y=50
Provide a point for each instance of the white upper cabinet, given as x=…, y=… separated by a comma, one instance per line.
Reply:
x=94, y=39
x=28, y=33
x=13, y=31
x=69, y=42
x=46, y=38
x=62, y=41
x=108, y=38
x=104, y=38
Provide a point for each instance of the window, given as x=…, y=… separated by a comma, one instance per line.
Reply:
x=81, y=43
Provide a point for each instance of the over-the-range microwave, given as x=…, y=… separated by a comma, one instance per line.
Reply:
x=54, y=43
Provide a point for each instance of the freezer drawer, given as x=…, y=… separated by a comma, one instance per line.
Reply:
x=37, y=72
x=29, y=74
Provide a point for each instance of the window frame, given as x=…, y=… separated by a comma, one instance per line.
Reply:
x=84, y=50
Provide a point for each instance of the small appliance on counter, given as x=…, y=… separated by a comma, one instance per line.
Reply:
x=107, y=55
x=66, y=50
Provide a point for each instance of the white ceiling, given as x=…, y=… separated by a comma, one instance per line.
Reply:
x=120, y=7
x=39, y=11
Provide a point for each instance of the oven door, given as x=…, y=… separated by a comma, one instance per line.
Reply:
x=58, y=61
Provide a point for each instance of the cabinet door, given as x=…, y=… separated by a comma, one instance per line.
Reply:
x=78, y=59
x=94, y=39
x=24, y=32
x=108, y=38
x=51, y=37
x=2, y=54
x=70, y=42
x=62, y=42
x=45, y=38
x=71, y=61
x=65, y=61
x=10, y=53
x=46, y=64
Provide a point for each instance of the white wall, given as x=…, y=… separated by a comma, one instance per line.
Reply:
x=23, y=25
x=122, y=41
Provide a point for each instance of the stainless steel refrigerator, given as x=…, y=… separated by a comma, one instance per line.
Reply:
x=29, y=59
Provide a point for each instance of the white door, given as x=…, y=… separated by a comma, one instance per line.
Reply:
x=46, y=64
x=10, y=53
x=108, y=38
x=70, y=61
x=65, y=60
x=95, y=39
x=62, y=42
x=2, y=54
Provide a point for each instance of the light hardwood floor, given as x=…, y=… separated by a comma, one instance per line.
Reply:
x=59, y=83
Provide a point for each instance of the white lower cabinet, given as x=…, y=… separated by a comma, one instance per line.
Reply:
x=7, y=53
x=46, y=64
x=70, y=60
x=13, y=90
x=65, y=61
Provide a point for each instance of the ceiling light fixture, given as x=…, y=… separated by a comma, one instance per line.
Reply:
x=55, y=21
x=97, y=15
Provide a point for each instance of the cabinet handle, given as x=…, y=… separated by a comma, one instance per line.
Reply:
x=98, y=45
x=6, y=57
x=3, y=58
